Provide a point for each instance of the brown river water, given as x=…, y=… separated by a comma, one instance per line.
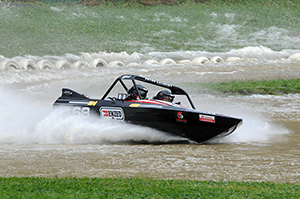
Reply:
x=36, y=141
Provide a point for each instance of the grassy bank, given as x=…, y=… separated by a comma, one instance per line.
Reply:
x=272, y=87
x=30, y=187
x=158, y=2
x=215, y=26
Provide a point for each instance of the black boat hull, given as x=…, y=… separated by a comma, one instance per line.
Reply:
x=188, y=123
x=161, y=115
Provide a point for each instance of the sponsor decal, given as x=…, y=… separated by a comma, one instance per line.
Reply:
x=92, y=103
x=158, y=82
x=134, y=105
x=112, y=112
x=207, y=118
x=180, y=117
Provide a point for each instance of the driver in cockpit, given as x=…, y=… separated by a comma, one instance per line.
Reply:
x=164, y=95
x=133, y=94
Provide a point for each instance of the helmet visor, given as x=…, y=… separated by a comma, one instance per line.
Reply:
x=169, y=98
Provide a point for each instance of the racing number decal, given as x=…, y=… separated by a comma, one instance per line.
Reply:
x=84, y=111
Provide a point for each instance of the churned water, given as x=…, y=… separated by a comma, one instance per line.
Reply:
x=37, y=141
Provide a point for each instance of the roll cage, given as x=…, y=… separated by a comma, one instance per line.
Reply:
x=174, y=89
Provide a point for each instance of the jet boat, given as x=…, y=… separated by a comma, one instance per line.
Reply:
x=126, y=100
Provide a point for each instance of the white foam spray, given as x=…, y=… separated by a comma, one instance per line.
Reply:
x=18, y=117
x=24, y=121
x=257, y=127
x=57, y=128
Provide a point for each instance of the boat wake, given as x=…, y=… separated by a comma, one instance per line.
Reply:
x=24, y=121
x=257, y=127
x=57, y=128
x=256, y=130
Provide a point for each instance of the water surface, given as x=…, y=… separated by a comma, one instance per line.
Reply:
x=37, y=141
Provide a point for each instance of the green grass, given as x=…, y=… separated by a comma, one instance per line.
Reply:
x=31, y=187
x=217, y=26
x=272, y=87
